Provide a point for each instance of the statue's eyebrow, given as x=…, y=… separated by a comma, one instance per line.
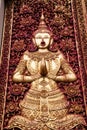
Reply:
x=46, y=36
x=38, y=36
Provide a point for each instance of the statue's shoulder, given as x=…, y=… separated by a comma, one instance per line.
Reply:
x=26, y=55
x=26, y=52
x=59, y=54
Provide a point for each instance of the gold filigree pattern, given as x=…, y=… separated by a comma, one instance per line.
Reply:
x=19, y=45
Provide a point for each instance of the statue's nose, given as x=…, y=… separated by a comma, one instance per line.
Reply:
x=42, y=40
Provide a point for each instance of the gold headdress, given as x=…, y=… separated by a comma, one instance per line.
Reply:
x=42, y=28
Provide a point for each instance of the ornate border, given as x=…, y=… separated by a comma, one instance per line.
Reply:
x=81, y=43
x=86, y=4
x=5, y=55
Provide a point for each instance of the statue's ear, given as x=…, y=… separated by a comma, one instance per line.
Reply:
x=33, y=39
x=51, y=41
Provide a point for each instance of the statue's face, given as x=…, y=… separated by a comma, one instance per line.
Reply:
x=42, y=40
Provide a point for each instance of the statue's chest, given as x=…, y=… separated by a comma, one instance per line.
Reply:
x=52, y=65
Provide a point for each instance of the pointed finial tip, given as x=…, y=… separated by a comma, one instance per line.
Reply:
x=42, y=15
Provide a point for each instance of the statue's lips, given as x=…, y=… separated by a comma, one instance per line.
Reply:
x=42, y=43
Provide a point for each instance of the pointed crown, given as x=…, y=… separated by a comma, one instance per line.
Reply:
x=42, y=28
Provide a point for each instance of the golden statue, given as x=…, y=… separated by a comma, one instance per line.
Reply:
x=44, y=106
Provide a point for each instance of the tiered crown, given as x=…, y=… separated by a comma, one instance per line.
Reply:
x=42, y=28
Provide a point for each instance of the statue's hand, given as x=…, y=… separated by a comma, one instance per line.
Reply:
x=51, y=76
x=36, y=76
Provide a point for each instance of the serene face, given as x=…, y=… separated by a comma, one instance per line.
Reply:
x=42, y=40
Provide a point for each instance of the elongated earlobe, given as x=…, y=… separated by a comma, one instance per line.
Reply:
x=33, y=39
x=51, y=41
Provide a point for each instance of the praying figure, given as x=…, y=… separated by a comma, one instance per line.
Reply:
x=44, y=106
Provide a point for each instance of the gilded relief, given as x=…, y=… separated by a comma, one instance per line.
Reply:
x=44, y=106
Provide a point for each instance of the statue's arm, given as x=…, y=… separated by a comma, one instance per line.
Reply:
x=19, y=74
x=17, y=77
x=68, y=75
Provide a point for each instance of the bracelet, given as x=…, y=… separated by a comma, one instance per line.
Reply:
x=23, y=77
x=55, y=78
